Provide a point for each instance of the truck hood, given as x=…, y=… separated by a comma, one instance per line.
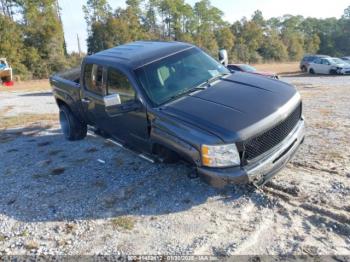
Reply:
x=236, y=107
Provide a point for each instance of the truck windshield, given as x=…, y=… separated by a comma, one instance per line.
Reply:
x=170, y=77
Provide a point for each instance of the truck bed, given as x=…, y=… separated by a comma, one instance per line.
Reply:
x=71, y=75
x=66, y=89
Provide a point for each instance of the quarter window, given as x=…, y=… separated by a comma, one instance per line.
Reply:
x=118, y=83
x=93, y=79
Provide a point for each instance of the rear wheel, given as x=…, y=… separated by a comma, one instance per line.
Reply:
x=72, y=127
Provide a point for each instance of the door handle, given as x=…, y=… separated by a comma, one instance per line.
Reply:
x=85, y=100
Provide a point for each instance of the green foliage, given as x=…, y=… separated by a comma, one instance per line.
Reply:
x=11, y=45
x=32, y=39
x=34, y=43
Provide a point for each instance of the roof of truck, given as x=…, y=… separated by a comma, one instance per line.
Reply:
x=137, y=54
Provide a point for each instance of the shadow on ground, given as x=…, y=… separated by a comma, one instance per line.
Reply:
x=37, y=94
x=45, y=178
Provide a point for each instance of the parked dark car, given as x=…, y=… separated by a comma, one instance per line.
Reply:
x=305, y=62
x=250, y=69
x=171, y=100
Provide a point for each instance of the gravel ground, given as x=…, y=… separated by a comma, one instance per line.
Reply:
x=91, y=197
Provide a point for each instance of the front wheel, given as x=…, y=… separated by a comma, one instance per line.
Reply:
x=312, y=71
x=72, y=128
x=333, y=72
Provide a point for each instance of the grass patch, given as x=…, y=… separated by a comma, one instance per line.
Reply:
x=124, y=222
x=57, y=171
x=2, y=238
x=25, y=119
x=24, y=233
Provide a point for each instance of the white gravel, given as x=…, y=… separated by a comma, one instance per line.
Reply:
x=27, y=103
x=58, y=198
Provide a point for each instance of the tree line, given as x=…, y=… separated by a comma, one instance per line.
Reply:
x=32, y=38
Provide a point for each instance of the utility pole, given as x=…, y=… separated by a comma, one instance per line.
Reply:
x=79, y=48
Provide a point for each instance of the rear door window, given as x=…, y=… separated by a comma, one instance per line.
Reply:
x=118, y=83
x=93, y=79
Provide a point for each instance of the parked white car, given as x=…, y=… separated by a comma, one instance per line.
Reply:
x=329, y=65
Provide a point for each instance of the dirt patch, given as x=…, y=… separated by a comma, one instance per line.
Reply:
x=280, y=68
x=28, y=86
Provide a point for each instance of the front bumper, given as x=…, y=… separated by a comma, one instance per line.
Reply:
x=261, y=170
x=344, y=71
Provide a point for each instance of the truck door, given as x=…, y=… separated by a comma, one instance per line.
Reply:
x=125, y=121
x=92, y=92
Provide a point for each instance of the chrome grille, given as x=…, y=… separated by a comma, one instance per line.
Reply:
x=262, y=143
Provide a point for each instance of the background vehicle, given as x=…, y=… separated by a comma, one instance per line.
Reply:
x=305, y=62
x=5, y=71
x=170, y=100
x=249, y=69
x=346, y=59
x=331, y=65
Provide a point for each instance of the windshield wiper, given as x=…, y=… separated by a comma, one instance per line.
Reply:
x=213, y=79
x=185, y=92
x=201, y=86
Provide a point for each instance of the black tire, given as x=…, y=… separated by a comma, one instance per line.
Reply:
x=333, y=72
x=312, y=71
x=166, y=155
x=72, y=128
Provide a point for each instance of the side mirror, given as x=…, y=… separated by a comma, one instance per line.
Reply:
x=223, y=57
x=112, y=100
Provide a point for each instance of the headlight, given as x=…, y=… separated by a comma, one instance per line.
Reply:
x=220, y=155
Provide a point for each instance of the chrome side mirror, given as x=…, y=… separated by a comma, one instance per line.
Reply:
x=112, y=100
x=223, y=57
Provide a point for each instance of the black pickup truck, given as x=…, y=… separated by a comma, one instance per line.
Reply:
x=171, y=100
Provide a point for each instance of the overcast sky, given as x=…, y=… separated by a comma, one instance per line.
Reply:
x=74, y=23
